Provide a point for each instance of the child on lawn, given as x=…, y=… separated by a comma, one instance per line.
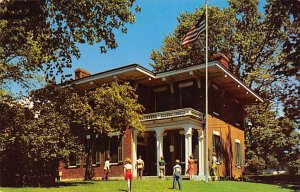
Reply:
x=128, y=173
x=177, y=175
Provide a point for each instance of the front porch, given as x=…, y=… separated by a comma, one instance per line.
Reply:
x=174, y=134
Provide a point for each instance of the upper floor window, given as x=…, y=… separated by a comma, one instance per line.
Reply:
x=238, y=154
x=161, y=99
x=187, y=95
x=238, y=113
x=217, y=146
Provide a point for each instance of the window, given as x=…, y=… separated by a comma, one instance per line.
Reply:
x=161, y=99
x=238, y=154
x=74, y=160
x=96, y=158
x=187, y=95
x=238, y=113
x=217, y=147
x=115, y=149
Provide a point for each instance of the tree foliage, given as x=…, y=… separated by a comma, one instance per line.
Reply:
x=31, y=148
x=109, y=108
x=56, y=125
x=43, y=35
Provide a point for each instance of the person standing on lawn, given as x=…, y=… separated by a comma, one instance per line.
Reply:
x=140, y=167
x=177, y=175
x=128, y=173
x=190, y=169
x=162, y=167
x=106, y=169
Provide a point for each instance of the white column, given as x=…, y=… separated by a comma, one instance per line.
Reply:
x=159, y=147
x=134, y=151
x=200, y=154
x=188, y=145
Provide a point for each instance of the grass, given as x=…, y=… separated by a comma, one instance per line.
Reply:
x=153, y=186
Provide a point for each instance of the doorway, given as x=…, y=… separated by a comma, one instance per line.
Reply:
x=146, y=147
x=173, y=148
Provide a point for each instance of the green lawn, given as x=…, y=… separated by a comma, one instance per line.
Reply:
x=155, y=185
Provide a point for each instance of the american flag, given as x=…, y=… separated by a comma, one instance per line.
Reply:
x=194, y=32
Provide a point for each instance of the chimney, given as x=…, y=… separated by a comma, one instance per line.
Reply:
x=80, y=73
x=222, y=59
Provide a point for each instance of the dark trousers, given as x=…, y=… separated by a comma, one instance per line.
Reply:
x=140, y=173
x=105, y=177
x=177, y=179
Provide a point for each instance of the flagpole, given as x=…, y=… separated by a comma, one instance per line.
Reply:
x=206, y=92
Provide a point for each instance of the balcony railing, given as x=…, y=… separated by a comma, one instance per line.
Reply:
x=173, y=113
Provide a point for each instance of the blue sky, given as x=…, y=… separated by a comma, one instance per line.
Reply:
x=157, y=19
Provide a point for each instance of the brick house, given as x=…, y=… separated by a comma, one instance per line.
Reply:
x=174, y=104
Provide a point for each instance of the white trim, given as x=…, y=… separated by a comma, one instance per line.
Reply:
x=237, y=141
x=103, y=75
x=149, y=74
x=216, y=133
x=234, y=78
x=177, y=71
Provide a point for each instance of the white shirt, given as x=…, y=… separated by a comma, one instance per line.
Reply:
x=214, y=159
x=106, y=165
x=177, y=169
x=128, y=166
x=140, y=163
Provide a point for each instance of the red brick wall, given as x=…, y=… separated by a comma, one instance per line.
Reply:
x=228, y=134
x=116, y=170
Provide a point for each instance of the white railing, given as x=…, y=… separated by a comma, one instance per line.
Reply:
x=172, y=114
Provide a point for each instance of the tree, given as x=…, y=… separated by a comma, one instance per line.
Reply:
x=109, y=108
x=263, y=55
x=31, y=148
x=43, y=35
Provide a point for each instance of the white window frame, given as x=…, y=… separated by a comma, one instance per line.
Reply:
x=238, y=154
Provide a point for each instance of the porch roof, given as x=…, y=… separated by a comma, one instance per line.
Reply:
x=217, y=73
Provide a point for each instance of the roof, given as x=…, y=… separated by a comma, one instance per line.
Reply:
x=217, y=73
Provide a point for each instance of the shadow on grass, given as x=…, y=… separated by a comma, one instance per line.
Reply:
x=284, y=181
x=74, y=183
x=122, y=190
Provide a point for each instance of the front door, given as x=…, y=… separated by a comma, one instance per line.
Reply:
x=173, y=148
x=146, y=147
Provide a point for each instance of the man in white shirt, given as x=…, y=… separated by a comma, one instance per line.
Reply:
x=177, y=175
x=106, y=169
x=140, y=167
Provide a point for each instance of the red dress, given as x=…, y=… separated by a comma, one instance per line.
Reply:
x=128, y=175
x=190, y=170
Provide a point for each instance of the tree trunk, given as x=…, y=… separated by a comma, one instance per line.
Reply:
x=89, y=169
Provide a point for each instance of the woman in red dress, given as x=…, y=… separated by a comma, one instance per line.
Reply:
x=190, y=170
x=128, y=173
